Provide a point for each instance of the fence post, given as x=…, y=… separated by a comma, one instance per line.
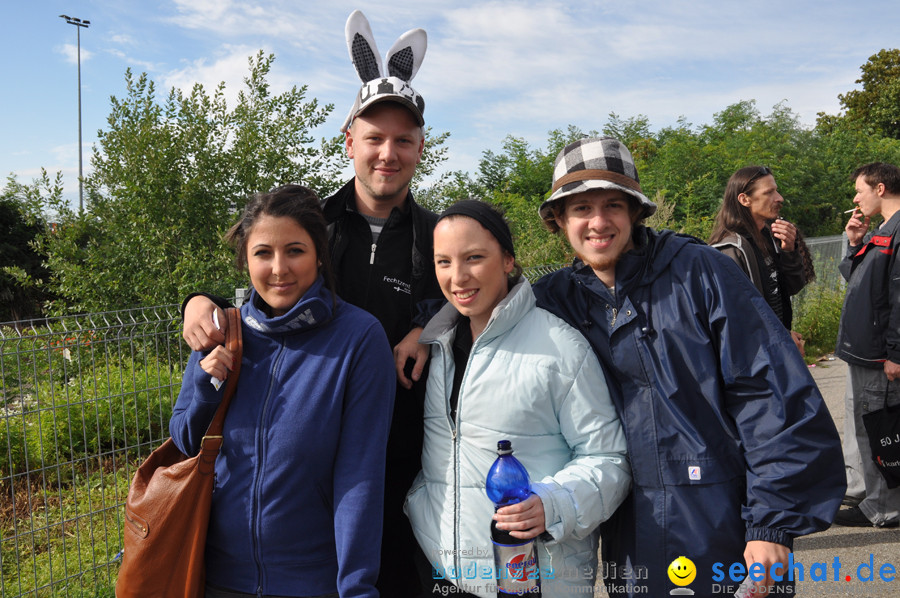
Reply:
x=240, y=296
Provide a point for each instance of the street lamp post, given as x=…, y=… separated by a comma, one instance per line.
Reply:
x=78, y=25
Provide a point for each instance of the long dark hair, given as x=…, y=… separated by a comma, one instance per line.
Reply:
x=291, y=201
x=809, y=269
x=735, y=218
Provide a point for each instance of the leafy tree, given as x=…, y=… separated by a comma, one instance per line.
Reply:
x=168, y=179
x=877, y=105
x=170, y=176
x=517, y=181
x=22, y=268
x=434, y=155
x=662, y=217
x=691, y=167
x=450, y=188
x=841, y=147
x=630, y=131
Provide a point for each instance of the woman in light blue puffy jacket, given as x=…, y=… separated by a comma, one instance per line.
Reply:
x=502, y=368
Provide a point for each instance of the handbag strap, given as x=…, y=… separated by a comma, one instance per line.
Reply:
x=233, y=342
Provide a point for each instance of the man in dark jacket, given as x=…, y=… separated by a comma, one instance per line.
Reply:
x=869, y=335
x=733, y=451
x=381, y=250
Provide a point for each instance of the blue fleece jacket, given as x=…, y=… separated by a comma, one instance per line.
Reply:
x=297, y=507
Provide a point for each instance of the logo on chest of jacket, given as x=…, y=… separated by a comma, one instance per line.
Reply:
x=399, y=285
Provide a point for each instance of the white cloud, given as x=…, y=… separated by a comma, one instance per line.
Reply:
x=122, y=39
x=70, y=51
x=231, y=66
x=132, y=62
x=274, y=19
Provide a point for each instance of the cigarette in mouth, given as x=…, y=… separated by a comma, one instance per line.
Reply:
x=848, y=211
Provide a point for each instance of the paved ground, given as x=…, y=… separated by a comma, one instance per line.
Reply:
x=854, y=548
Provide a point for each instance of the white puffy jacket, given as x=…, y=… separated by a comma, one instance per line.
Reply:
x=533, y=379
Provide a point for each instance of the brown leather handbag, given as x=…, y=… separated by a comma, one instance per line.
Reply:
x=168, y=504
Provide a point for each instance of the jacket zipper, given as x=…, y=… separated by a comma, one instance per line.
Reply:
x=456, y=493
x=260, y=444
x=454, y=429
x=372, y=256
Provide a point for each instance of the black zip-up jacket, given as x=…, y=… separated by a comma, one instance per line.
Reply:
x=789, y=265
x=393, y=280
x=870, y=320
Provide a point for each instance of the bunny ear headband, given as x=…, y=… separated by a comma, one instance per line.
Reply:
x=403, y=62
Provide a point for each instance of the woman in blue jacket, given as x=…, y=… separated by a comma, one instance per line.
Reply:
x=300, y=478
x=502, y=368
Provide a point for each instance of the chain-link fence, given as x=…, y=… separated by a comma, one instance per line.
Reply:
x=827, y=253
x=83, y=399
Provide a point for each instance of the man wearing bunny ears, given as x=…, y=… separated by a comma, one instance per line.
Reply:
x=381, y=250
x=732, y=449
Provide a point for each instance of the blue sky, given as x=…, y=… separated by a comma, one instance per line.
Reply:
x=493, y=68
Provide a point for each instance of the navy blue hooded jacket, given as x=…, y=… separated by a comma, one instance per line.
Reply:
x=728, y=436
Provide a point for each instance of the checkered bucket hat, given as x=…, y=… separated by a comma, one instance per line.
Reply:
x=403, y=61
x=595, y=163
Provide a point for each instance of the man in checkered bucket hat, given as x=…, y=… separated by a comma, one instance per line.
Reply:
x=733, y=451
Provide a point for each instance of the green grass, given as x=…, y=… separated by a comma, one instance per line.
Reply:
x=76, y=417
x=63, y=540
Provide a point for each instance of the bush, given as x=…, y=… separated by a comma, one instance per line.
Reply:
x=818, y=315
x=120, y=406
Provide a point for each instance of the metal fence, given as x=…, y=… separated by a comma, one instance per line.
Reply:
x=827, y=253
x=83, y=399
x=535, y=272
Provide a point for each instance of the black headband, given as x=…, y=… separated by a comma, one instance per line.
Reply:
x=487, y=217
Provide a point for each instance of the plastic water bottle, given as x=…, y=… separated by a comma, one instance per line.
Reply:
x=515, y=560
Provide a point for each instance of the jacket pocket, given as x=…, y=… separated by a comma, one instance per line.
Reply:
x=697, y=471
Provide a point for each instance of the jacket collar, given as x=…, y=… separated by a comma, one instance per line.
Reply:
x=652, y=255
x=345, y=201
x=890, y=226
x=506, y=314
x=313, y=309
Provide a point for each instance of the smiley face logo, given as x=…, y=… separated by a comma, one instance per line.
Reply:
x=682, y=571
